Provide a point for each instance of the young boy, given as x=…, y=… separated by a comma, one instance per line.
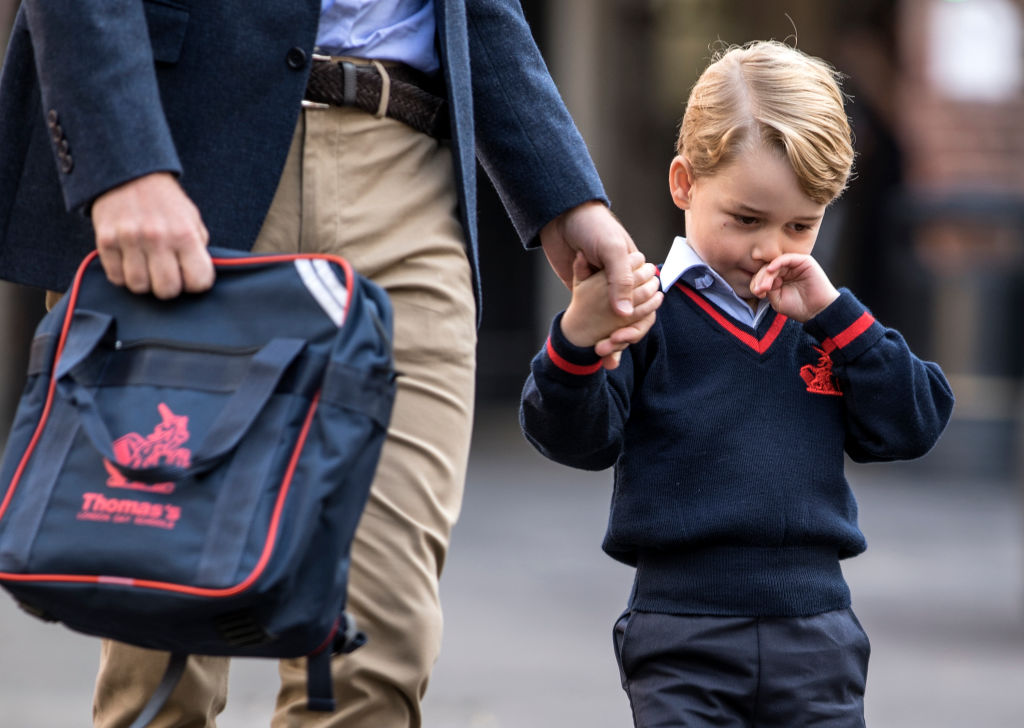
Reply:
x=728, y=422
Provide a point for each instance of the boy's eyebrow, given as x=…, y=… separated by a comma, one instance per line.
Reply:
x=754, y=212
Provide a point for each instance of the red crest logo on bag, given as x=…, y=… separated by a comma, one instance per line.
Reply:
x=163, y=446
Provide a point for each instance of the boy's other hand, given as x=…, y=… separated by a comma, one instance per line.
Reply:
x=151, y=237
x=795, y=285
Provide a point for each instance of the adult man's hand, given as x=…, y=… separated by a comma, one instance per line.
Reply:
x=151, y=238
x=593, y=230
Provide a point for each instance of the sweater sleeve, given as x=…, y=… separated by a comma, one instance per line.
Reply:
x=572, y=409
x=896, y=404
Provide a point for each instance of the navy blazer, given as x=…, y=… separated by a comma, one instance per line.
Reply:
x=98, y=92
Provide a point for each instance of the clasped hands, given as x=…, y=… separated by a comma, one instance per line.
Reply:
x=615, y=292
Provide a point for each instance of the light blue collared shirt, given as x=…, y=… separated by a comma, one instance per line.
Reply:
x=684, y=263
x=385, y=30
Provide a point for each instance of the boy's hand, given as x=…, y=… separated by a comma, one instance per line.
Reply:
x=590, y=319
x=795, y=285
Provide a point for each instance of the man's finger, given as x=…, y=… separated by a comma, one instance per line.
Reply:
x=113, y=266
x=620, y=284
x=165, y=275
x=196, y=269
x=135, y=268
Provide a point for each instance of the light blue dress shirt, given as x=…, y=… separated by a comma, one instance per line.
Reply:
x=386, y=30
x=683, y=263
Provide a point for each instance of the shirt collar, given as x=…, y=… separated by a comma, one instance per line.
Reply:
x=682, y=259
x=684, y=263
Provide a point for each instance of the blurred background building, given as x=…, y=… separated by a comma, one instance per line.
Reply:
x=930, y=233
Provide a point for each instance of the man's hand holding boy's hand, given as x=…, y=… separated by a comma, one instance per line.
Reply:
x=795, y=285
x=590, y=319
x=592, y=229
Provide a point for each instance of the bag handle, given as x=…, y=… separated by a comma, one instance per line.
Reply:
x=237, y=416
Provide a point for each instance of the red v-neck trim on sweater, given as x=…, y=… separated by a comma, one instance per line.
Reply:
x=759, y=345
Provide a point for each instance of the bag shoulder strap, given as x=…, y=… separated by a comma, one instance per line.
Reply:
x=175, y=669
x=319, y=684
x=345, y=638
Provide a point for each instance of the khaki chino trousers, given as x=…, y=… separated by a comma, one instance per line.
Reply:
x=383, y=196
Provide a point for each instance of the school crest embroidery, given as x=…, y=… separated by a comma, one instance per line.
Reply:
x=162, y=446
x=819, y=377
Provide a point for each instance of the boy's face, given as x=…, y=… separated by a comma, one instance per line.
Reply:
x=746, y=214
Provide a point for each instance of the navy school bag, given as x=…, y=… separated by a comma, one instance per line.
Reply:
x=188, y=475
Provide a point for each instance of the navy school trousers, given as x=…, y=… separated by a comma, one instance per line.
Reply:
x=683, y=671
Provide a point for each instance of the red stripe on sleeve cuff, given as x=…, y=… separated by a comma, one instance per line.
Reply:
x=854, y=330
x=567, y=366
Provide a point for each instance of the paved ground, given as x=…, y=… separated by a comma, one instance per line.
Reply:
x=530, y=600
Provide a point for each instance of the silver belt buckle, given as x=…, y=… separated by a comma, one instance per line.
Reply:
x=306, y=103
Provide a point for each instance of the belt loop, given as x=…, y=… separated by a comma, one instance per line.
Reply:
x=348, y=93
x=385, y=88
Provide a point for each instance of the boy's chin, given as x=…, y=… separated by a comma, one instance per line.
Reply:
x=747, y=297
x=743, y=291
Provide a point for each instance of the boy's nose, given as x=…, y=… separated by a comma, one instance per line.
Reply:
x=767, y=248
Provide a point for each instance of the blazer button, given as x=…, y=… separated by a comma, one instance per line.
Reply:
x=52, y=118
x=296, y=58
x=66, y=163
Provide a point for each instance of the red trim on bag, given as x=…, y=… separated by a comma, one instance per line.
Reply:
x=330, y=638
x=286, y=257
x=760, y=346
x=73, y=293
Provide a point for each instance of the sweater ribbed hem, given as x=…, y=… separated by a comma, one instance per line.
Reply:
x=741, y=581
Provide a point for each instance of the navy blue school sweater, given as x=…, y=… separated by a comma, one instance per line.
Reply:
x=727, y=442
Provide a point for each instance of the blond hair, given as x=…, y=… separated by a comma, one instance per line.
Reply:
x=768, y=92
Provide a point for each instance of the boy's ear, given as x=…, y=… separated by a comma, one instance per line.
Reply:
x=680, y=182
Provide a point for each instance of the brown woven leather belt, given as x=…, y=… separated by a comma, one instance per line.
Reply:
x=413, y=98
